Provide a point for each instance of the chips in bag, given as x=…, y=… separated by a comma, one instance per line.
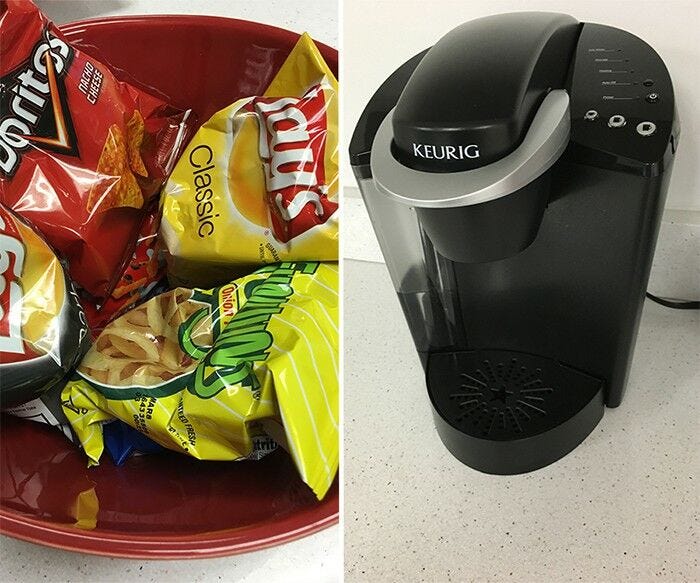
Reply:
x=42, y=326
x=205, y=371
x=143, y=277
x=81, y=154
x=258, y=183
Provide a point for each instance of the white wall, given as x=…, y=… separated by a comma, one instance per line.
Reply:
x=379, y=35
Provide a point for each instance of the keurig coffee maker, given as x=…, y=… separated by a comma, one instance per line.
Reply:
x=515, y=174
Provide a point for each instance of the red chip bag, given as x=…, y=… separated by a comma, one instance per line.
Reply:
x=142, y=277
x=81, y=154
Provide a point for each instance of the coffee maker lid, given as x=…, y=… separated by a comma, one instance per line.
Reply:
x=472, y=97
x=545, y=141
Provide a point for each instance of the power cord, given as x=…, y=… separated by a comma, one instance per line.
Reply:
x=675, y=304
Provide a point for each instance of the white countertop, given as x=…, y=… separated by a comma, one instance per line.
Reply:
x=314, y=558
x=623, y=506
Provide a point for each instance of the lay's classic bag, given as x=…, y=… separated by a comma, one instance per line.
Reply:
x=258, y=182
x=210, y=372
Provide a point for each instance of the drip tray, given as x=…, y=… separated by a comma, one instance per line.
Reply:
x=504, y=412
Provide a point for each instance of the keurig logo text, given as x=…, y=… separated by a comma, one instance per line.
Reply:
x=431, y=152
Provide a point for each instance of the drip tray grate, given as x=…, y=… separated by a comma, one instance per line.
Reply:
x=505, y=405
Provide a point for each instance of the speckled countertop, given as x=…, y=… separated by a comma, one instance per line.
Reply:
x=623, y=506
x=314, y=558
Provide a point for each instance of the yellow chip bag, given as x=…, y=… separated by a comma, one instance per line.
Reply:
x=258, y=183
x=204, y=371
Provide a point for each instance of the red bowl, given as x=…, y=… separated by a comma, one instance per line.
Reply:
x=163, y=506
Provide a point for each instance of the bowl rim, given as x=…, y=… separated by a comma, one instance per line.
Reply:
x=213, y=544
x=220, y=543
x=197, y=19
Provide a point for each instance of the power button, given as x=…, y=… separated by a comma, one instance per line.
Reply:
x=617, y=121
x=646, y=128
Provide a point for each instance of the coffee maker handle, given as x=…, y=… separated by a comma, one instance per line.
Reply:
x=473, y=97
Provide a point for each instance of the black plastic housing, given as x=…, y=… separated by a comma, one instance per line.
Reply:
x=576, y=293
x=554, y=273
x=472, y=97
x=491, y=230
x=507, y=412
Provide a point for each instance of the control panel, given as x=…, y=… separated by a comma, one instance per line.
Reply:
x=621, y=94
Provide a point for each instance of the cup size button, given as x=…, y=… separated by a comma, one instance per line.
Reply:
x=591, y=115
x=647, y=82
x=617, y=121
x=646, y=128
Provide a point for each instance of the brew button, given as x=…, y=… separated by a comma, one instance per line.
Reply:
x=591, y=115
x=646, y=128
x=647, y=83
x=653, y=97
x=617, y=121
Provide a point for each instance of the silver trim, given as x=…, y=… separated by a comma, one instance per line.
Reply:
x=544, y=142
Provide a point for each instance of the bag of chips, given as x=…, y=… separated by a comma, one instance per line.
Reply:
x=143, y=277
x=81, y=154
x=122, y=441
x=206, y=372
x=42, y=326
x=46, y=409
x=258, y=182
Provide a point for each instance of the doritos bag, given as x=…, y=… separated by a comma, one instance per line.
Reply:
x=81, y=154
x=258, y=183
